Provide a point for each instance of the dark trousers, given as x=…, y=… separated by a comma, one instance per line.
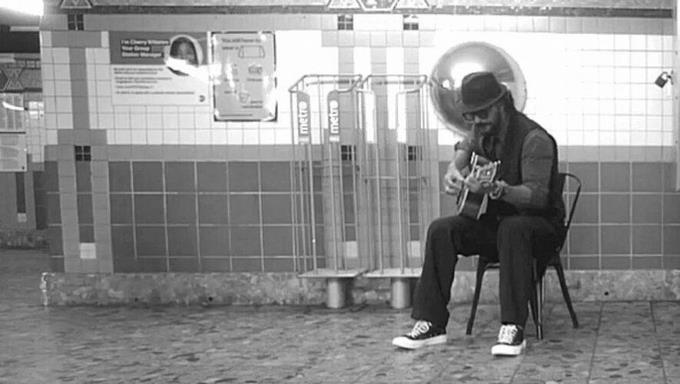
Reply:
x=512, y=240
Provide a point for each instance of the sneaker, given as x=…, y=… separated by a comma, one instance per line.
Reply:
x=422, y=334
x=510, y=341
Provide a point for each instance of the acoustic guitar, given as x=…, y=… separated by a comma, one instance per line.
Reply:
x=473, y=205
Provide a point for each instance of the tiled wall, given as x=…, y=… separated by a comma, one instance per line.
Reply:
x=201, y=216
x=22, y=207
x=185, y=216
x=628, y=216
x=191, y=216
x=591, y=75
x=589, y=80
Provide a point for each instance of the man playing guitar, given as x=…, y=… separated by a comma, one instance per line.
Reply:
x=524, y=211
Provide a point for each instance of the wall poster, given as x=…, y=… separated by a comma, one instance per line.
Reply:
x=159, y=68
x=244, y=82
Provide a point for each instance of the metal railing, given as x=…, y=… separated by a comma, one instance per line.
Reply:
x=402, y=176
x=402, y=172
x=324, y=173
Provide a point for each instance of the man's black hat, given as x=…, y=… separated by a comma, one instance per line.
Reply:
x=480, y=90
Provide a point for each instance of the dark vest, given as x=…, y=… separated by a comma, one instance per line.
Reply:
x=511, y=172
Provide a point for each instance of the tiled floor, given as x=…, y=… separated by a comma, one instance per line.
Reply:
x=636, y=342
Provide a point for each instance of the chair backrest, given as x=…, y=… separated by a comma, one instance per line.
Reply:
x=573, y=181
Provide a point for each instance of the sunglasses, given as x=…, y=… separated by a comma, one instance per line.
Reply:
x=482, y=114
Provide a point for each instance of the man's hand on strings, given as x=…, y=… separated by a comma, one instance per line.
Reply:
x=453, y=181
x=477, y=186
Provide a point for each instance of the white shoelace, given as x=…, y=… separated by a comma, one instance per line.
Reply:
x=507, y=334
x=419, y=328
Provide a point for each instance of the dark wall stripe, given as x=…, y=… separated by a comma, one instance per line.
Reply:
x=40, y=198
x=513, y=10
x=556, y=11
x=79, y=94
x=76, y=39
x=21, y=192
x=19, y=42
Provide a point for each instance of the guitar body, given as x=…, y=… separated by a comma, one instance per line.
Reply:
x=473, y=205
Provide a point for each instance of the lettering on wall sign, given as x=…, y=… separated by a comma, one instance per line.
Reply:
x=303, y=117
x=334, y=116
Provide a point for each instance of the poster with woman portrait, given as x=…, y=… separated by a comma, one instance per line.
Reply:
x=159, y=68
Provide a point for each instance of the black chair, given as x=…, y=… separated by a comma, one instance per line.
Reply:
x=536, y=301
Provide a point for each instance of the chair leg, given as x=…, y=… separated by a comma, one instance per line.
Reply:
x=481, y=268
x=539, y=309
x=534, y=303
x=565, y=294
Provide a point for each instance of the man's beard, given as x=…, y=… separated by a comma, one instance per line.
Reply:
x=486, y=129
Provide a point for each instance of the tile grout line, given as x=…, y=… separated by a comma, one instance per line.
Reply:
x=597, y=331
x=514, y=373
x=658, y=343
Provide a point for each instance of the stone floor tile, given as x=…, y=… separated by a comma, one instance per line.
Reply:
x=636, y=342
x=560, y=361
x=564, y=354
x=627, y=348
x=667, y=324
x=479, y=367
x=643, y=367
x=626, y=316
